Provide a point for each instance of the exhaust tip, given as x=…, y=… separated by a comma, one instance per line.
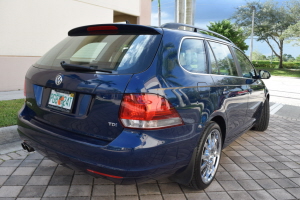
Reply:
x=27, y=147
x=23, y=146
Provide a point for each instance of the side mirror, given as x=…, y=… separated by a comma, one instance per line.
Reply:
x=264, y=74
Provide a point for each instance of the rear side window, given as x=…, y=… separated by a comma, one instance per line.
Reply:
x=192, y=56
x=119, y=53
x=222, y=61
x=213, y=62
x=246, y=67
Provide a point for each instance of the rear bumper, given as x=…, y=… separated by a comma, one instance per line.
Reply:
x=135, y=156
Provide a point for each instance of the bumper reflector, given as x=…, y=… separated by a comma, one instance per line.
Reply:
x=112, y=176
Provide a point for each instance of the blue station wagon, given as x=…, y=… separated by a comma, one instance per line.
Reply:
x=133, y=103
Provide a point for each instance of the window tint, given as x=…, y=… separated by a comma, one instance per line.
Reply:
x=88, y=53
x=213, y=62
x=119, y=53
x=192, y=56
x=247, y=70
x=224, y=59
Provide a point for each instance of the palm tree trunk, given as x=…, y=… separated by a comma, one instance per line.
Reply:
x=181, y=11
x=189, y=12
x=159, y=13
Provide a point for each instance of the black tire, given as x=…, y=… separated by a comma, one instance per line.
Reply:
x=263, y=121
x=213, y=157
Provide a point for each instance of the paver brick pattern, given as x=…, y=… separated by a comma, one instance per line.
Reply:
x=258, y=165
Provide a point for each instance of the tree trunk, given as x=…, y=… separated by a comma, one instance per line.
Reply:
x=181, y=11
x=189, y=18
x=281, y=52
x=159, y=13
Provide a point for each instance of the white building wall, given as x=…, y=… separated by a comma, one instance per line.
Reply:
x=32, y=27
x=131, y=7
x=29, y=28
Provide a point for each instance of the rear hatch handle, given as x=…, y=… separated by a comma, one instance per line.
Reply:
x=72, y=67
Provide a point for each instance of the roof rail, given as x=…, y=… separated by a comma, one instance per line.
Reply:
x=196, y=29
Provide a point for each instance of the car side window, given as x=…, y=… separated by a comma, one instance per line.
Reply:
x=192, y=55
x=246, y=67
x=213, y=62
x=224, y=60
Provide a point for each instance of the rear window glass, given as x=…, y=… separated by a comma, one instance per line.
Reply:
x=121, y=54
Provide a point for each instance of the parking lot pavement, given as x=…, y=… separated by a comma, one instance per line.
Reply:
x=258, y=165
x=284, y=96
x=285, y=111
x=284, y=90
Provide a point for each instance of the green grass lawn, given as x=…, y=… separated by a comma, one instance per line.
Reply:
x=9, y=110
x=282, y=72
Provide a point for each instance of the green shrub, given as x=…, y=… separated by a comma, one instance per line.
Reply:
x=265, y=64
x=275, y=64
x=291, y=65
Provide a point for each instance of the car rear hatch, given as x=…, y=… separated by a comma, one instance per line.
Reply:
x=79, y=84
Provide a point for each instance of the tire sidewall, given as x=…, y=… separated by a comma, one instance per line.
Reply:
x=197, y=173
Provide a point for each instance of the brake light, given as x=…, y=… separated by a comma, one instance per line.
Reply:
x=24, y=88
x=148, y=111
x=102, y=28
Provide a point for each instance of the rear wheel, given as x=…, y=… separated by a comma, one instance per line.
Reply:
x=208, y=157
x=263, y=121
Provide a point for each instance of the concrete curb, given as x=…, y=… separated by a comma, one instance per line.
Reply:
x=9, y=139
x=9, y=134
x=10, y=147
x=10, y=95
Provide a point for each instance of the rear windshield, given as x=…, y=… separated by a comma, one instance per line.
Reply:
x=121, y=54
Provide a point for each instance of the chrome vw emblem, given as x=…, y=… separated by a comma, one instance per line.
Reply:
x=58, y=79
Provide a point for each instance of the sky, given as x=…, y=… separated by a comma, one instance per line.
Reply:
x=212, y=11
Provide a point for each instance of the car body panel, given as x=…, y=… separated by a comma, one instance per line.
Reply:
x=97, y=100
x=91, y=137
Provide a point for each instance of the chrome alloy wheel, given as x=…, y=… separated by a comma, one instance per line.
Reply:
x=210, y=156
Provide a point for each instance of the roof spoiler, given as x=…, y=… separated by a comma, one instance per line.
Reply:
x=114, y=29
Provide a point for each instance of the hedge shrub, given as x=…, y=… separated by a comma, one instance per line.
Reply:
x=275, y=64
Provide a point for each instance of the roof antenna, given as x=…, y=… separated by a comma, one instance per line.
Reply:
x=127, y=22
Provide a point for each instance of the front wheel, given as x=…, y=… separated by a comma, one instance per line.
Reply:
x=208, y=157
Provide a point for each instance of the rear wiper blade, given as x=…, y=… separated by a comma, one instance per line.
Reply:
x=67, y=66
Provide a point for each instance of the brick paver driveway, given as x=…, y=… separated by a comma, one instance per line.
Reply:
x=256, y=166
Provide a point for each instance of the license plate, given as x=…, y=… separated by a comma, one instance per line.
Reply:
x=61, y=100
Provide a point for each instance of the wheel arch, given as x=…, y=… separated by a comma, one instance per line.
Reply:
x=184, y=177
x=221, y=122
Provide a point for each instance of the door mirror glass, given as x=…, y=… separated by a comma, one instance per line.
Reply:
x=264, y=74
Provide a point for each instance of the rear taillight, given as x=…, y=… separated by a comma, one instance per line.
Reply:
x=25, y=87
x=148, y=111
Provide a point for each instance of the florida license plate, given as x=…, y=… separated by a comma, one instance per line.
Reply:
x=61, y=100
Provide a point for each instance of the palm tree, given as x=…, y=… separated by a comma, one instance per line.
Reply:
x=189, y=18
x=159, y=13
x=185, y=11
